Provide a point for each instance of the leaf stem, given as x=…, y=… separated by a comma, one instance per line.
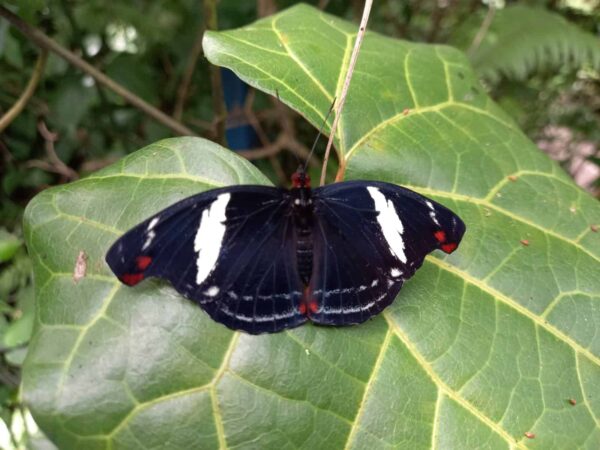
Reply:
x=45, y=42
x=342, y=98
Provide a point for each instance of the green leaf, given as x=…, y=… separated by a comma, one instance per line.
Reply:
x=522, y=40
x=16, y=356
x=9, y=244
x=479, y=348
x=19, y=331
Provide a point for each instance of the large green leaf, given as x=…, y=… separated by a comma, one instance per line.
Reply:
x=479, y=348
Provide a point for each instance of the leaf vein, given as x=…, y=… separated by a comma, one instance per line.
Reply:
x=442, y=386
x=515, y=306
x=384, y=346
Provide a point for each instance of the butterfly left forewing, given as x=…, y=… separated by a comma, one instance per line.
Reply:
x=259, y=289
x=369, y=238
x=230, y=250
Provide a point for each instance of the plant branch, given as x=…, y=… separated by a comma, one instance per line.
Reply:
x=45, y=42
x=186, y=80
x=54, y=163
x=16, y=109
x=342, y=98
x=483, y=29
x=266, y=150
x=322, y=4
x=210, y=23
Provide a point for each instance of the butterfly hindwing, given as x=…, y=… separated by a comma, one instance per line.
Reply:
x=230, y=250
x=369, y=237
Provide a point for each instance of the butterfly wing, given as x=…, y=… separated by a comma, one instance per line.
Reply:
x=369, y=237
x=230, y=250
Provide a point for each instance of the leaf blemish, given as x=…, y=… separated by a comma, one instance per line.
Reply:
x=80, y=267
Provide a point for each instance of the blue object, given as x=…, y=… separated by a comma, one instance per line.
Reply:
x=239, y=133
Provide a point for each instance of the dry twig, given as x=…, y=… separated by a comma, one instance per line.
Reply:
x=54, y=163
x=16, y=109
x=210, y=23
x=342, y=98
x=483, y=29
x=186, y=81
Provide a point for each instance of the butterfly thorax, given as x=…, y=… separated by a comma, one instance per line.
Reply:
x=302, y=207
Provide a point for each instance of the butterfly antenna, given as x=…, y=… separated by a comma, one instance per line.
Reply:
x=281, y=104
x=319, y=135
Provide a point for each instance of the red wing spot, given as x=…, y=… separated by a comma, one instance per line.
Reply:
x=302, y=308
x=131, y=279
x=524, y=242
x=449, y=247
x=313, y=306
x=529, y=435
x=572, y=401
x=440, y=236
x=143, y=262
x=406, y=112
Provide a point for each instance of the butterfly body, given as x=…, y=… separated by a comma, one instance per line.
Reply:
x=263, y=259
x=302, y=210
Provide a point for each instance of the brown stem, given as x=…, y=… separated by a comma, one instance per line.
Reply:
x=45, y=42
x=267, y=150
x=265, y=8
x=186, y=81
x=483, y=29
x=210, y=23
x=205, y=125
x=16, y=109
x=322, y=4
x=250, y=116
x=54, y=163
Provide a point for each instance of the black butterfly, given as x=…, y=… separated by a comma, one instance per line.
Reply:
x=262, y=259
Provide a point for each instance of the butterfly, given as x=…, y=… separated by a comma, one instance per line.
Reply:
x=263, y=259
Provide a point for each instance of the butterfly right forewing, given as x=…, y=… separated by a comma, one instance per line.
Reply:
x=370, y=237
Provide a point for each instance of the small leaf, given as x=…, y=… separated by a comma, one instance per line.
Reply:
x=19, y=331
x=9, y=245
x=16, y=356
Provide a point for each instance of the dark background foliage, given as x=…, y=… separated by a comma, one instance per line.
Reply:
x=548, y=79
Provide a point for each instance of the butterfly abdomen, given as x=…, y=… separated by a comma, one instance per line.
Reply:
x=303, y=221
x=304, y=254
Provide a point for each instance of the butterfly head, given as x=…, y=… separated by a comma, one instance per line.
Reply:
x=300, y=179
